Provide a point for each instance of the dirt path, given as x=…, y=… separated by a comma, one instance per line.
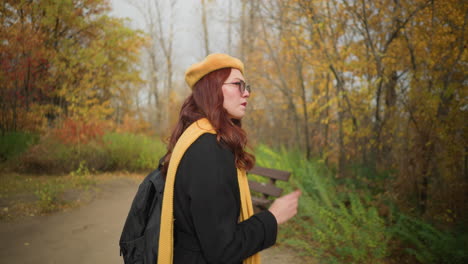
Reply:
x=88, y=234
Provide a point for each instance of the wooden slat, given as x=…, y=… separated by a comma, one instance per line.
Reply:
x=265, y=188
x=271, y=173
x=261, y=202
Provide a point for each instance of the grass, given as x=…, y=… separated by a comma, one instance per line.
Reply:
x=338, y=219
x=23, y=195
x=26, y=194
x=44, y=175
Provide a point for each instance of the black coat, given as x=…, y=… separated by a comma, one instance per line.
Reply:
x=207, y=208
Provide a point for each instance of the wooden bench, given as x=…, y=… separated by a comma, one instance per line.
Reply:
x=268, y=189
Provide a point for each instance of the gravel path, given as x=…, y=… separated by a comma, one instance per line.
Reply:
x=88, y=234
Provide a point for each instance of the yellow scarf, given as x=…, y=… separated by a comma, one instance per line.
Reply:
x=166, y=235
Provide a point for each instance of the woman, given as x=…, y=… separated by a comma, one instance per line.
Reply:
x=207, y=201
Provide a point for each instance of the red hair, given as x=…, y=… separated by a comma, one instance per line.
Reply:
x=206, y=100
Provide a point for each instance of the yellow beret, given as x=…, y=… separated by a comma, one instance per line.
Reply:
x=211, y=63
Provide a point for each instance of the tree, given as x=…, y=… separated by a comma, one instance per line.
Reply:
x=378, y=83
x=62, y=59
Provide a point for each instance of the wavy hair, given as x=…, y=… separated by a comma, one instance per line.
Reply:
x=206, y=100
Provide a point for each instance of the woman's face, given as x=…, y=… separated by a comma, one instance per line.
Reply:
x=234, y=102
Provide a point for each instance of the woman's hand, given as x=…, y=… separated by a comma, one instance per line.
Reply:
x=285, y=207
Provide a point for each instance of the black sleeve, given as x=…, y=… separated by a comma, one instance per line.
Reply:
x=214, y=206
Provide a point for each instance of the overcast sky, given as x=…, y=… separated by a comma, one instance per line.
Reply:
x=188, y=47
x=122, y=8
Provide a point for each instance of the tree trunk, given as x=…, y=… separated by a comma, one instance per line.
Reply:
x=304, y=108
x=205, y=29
x=327, y=98
x=341, y=150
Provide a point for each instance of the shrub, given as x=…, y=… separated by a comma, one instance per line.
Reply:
x=114, y=151
x=133, y=152
x=350, y=235
x=82, y=177
x=47, y=156
x=48, y=196
x=338, y=220
x=341, y=226
x=14, y=143
x=428, y=244
x=79, y=131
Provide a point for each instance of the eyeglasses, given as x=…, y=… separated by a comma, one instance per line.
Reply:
x=242, y=86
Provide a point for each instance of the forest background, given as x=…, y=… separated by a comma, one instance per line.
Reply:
x=364, y=101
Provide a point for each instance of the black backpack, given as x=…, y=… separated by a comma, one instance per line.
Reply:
x=140, y=236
